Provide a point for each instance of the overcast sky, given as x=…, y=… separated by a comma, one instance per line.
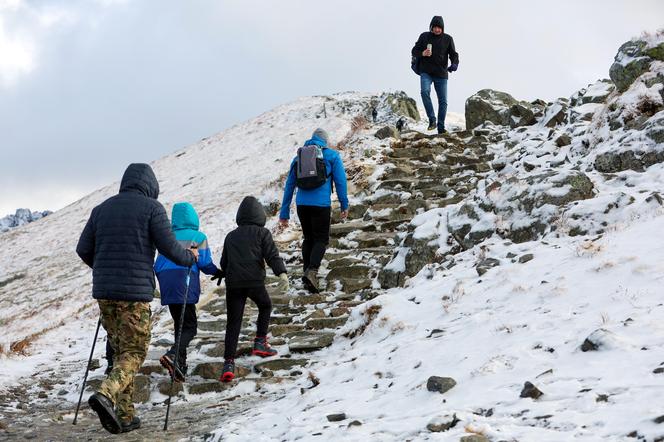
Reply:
x=88, y=86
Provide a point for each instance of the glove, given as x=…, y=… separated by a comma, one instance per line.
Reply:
x=453, y=67
x=219, y=275
x=283, y=284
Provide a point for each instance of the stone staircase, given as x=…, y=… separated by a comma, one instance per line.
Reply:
x=419, y=172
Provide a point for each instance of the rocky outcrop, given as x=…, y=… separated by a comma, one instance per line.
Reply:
x=632, y=60
x=21, y=217
x=500, y=108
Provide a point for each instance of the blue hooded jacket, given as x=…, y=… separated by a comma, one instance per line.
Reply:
x=320, y=196
x=172, y=277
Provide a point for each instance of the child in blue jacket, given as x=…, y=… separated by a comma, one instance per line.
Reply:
x=172, y=283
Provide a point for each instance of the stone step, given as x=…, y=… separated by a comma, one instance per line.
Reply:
x=309, y=341
x=342, y=229
x=326, y=323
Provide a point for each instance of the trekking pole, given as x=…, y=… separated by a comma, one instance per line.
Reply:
x=177, y=343
x=87, y=368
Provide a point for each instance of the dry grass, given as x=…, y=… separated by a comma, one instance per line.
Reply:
x=369, y=314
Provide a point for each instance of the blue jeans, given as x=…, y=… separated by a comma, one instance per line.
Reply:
x=440, y=84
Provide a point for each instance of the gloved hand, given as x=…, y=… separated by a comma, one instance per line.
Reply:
x=283, y=284
x=453, y=67
x=219, y=275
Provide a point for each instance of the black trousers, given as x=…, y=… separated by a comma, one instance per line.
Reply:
x=189, y=328
x=236, y=298
x=315, y=223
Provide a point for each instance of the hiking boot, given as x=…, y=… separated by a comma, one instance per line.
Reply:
x=168, y=362
x=103, y=406
x=432, y=125
x=132, y=425
x=262, y=348
x=441, y=131
x=310, y=280
x=228, y=372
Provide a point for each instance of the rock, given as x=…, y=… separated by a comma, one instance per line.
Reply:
x=216, y=351
x=42, y=395
x=630, y=63
x=315, y=298
x=284, y=329
x=94, y=364
x=209, y=387
x=525, y=258
x=342, y=229
x=529, y=390
x=611, y=162
x=655, y=129
x=656, y=52
x=449, y=422
x=303, y=342
x=151, y=369
x=525, y=233
x=322, y=323
x=387, y=132
x=216, y=326
x=337, y=417
x=474, y=438
x=658, y=370
x=659, y=420
x=141, y=388
x=280, y=364
x=485, y=265
x=440, y=384
x=563, y=140
x=208, y=370
x=401, y=104
x=351, y=271
x=164, y=387
x=589, y=345
x=355, y=423
x=499, y=108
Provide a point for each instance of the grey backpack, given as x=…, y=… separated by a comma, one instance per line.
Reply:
x=310, y=167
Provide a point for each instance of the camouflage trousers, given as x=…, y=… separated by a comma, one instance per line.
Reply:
x=127, y=325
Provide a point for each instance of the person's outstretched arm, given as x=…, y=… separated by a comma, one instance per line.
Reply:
x=339, y=177
x=289, y=190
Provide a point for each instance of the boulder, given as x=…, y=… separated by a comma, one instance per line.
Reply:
x=611, y=162
x=303, y=342
x=401, y=104
x=486, y=264
x=630, y=63
x=529, y=390
x=387, y=132
x=440, y=384
x=555, y=114
x=499, y=108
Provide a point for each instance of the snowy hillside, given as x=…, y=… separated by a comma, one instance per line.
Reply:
x=498, y=283
x=45, y=286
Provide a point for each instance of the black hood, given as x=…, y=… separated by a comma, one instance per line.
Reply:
x=250, y=212
x=140, y=178
x=437, y=20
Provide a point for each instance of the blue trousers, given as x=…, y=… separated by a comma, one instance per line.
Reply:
x=440, y=84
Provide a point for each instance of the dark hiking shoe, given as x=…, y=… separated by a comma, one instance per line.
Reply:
x=262, y=348
x=228, y=373
x=104, y=409
x=168, y=362
x=132, y=425
x=310, y=280
x=432, y=125
x=442, y=131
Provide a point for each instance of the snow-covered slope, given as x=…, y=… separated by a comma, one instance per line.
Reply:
x=44, y=285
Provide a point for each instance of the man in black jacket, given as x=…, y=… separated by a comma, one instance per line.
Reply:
x=432, y=50
x=246, y=250
x=118, y=243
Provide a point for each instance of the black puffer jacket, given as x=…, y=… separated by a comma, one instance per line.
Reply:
x=442, y=48
x=120, y=238
x=247, y=248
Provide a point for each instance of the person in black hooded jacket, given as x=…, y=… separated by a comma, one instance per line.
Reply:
x=118, y=242
x=246, y=250
x=432, y=50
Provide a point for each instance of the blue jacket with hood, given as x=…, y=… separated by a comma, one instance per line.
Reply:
x=172, y=277
x=320, y=196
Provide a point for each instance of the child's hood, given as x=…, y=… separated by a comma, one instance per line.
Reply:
x=250, y=212
x=184, y=216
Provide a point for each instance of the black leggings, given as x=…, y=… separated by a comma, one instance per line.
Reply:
x=189, y=328
x=315, y=223
x=236, y=298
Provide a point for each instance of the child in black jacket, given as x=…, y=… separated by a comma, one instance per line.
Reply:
x=246, y=250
